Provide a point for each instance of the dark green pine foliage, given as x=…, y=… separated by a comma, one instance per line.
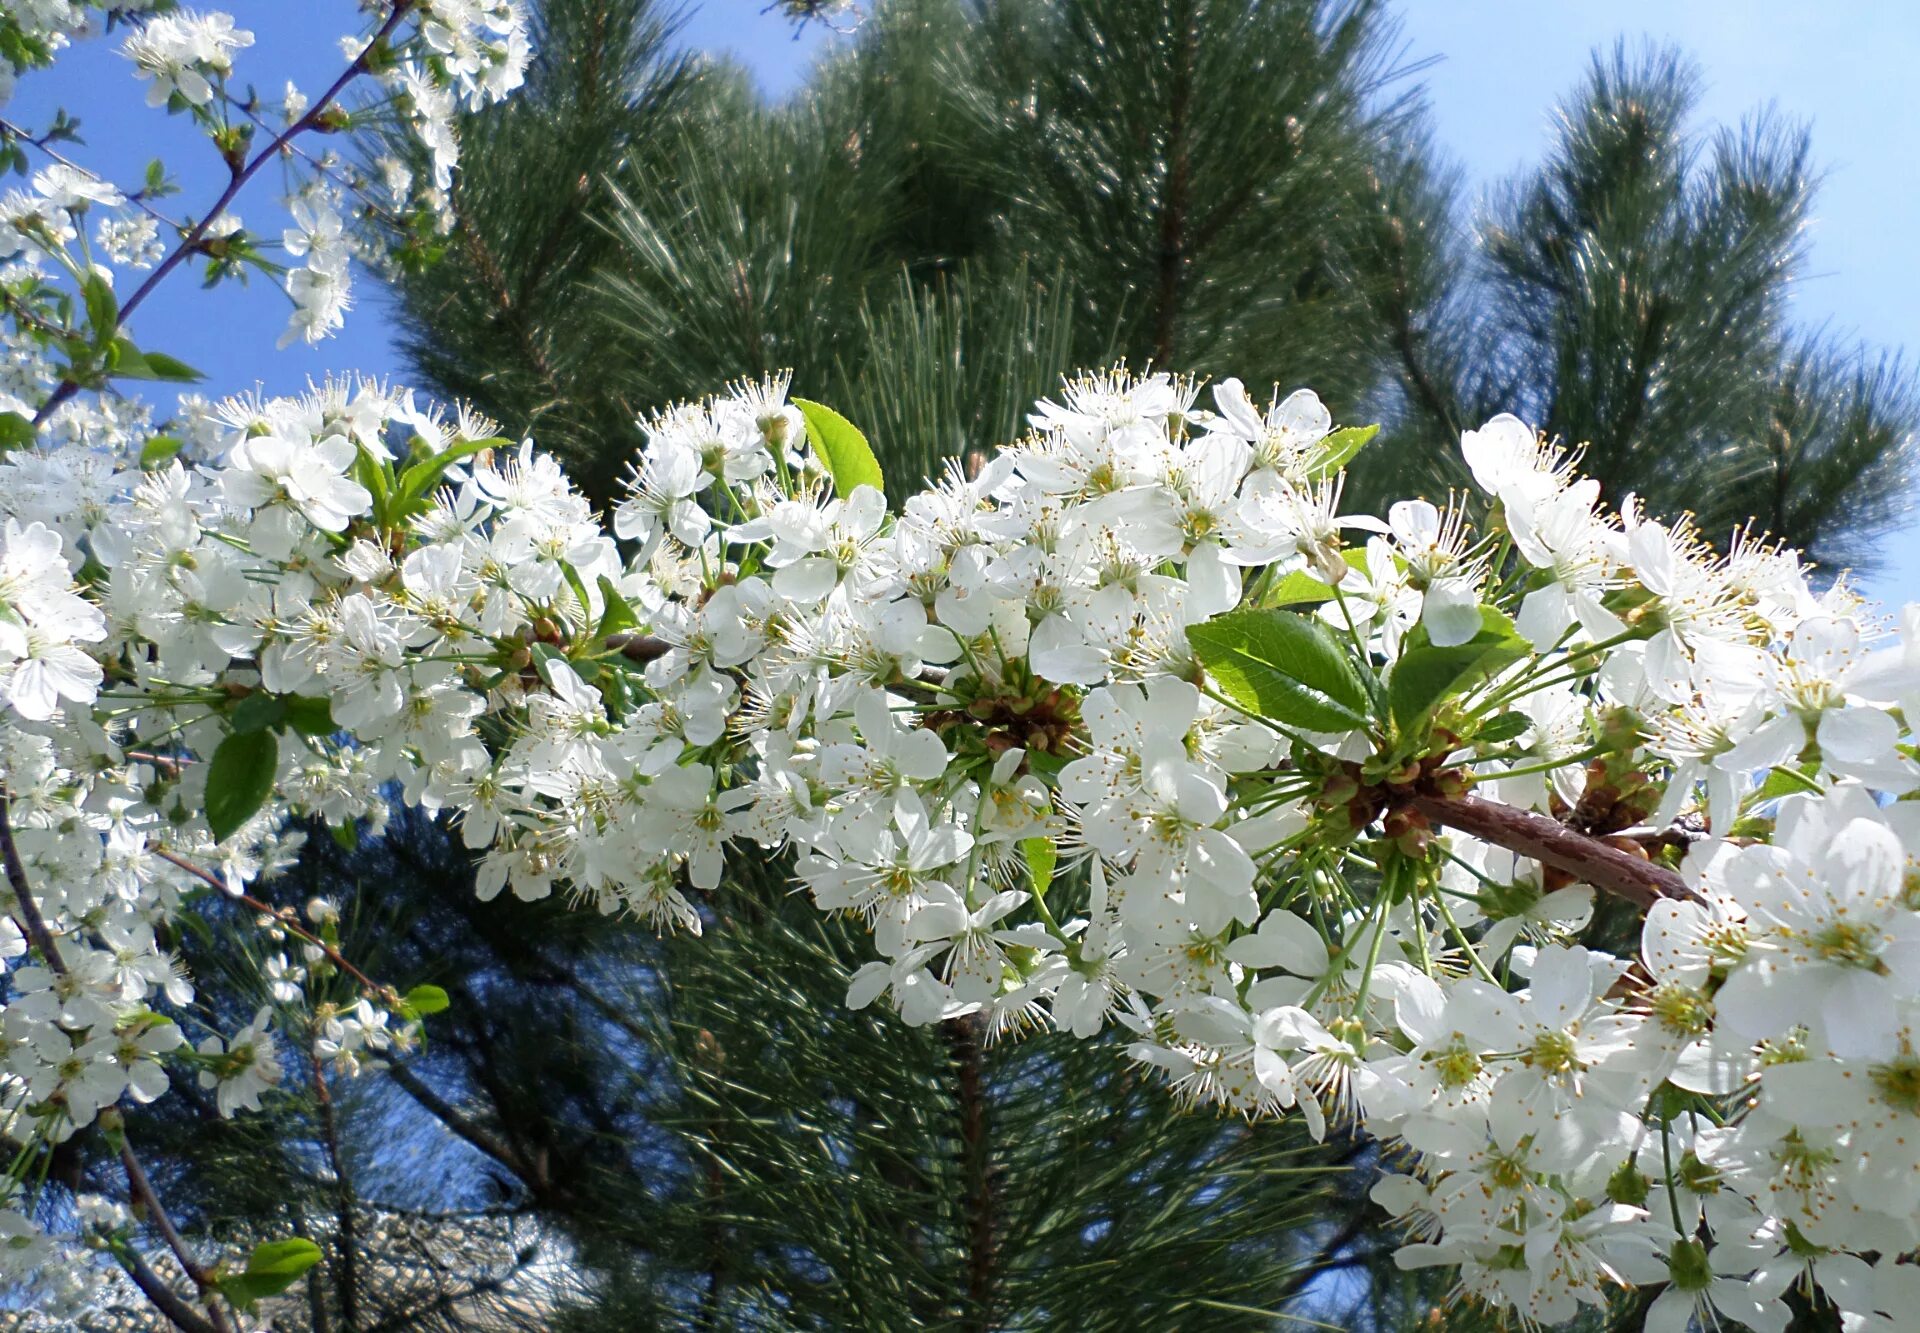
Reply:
x=1632, y=296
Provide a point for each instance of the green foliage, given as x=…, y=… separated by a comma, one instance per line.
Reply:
x=845, y=451
x=1284, y=667
x=271, y=1268
x=239, y=779
x=1631, y=296
x=1425, y=675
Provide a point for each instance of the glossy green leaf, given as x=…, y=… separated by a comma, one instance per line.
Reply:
x=1338, y=449
x=239, y=780
x=412, y=491
x=103, y=309
x=1041, y=859
x=272, y=1267
x=160, y=450
x=1426, y=675
x=619, y=615
x=424, y=1000
x=310, y=717
x=1297, y=589
x=257, y=712
x=1505, y=727
x=170, y=368
x=1282, y=666
x=841, y=446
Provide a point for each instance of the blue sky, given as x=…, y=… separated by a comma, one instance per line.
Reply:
x=1502, y=65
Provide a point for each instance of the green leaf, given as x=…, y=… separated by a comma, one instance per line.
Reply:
x=416, y=484
x=257, y=712
x=239, y=779
x=618, y=616
x=1297, y=589
x=16, y=431
x=1425, y=675
x=377, y=476
x=1505, y=727
x=1338, y=449
x=310, y=717
x=1284, y=667
x=1041, y=859
x=578, y=587
x=103, y=310
x=424, y=1000
x=160, y=450
x=1785, y=782
x=272, y=1267
x=138, y=365
x=841, y=446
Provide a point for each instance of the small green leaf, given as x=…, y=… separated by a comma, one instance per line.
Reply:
x=310, y=717
x=545, y=655
x=1425, y=676
x=16, y=431
x=1298, y=589
x=416, y=484
x=103, y=310
x=578, y=587
x=1505, y=727
x=377, y=476
x=1785, y=781
x=159, y=451
x=271, y=1269
x=619, y=616
x=841, y=446
x=1041, y=859
x=1338, y=449
x=257, y=712
x=1282, y=666
x=424, y=1000
x=239, y=779
x=139, y=365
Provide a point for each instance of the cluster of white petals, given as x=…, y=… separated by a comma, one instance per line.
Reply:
x=1126, y=728
x=1022, y=730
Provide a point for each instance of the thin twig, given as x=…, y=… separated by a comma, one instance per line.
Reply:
x=30, y=918
x=144, y=1194
x=288, y=921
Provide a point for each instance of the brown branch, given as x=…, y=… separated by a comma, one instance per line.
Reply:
x=981, y=1202
x=345, y=1280
x=1552, y=843
x=288, y=921
x=30, y=918
x=163, y=1298
x=443, y=1111
x=143, y=1193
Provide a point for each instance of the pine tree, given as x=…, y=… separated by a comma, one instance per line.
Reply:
x=1630, y=296
x=974, y=199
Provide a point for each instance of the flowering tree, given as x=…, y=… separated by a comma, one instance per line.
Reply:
x=1126, y=724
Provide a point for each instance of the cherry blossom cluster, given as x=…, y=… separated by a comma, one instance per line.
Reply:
x=427, y=58
x=98, y=857
x=1124, y=728
x=1126, y=725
